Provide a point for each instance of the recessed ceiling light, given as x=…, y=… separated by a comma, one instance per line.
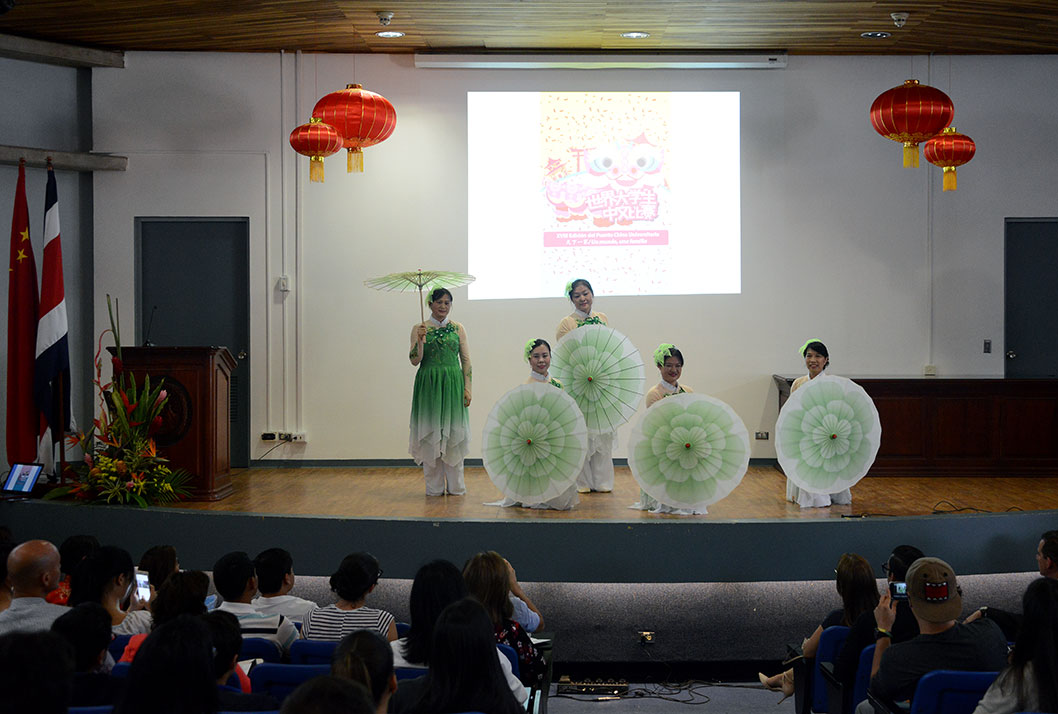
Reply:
x=875, y=35
x=635, y=35
x=389, y=34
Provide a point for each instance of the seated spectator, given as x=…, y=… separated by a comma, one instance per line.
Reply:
x=33, y=572
x=71, y=552
x=227, y=641
x=488, y=580
x=181, y=594
x=108, y=577
x=464, y=673
x=5, y=587
x=173, y=672
x=859, y=594
x=356, y=577
x=1030, y=683
x=526, y=613
x=234, y=578
x=275, y=580
x=36, y=670
x=1047, y=562
x=942, y=643
x=861, y=634
x=159, y=562
x=365, y=657
x=87, y=628
x=329, y=695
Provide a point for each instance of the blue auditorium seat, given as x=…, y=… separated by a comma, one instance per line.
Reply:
x=280, y=680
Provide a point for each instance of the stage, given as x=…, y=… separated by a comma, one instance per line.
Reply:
x=321, y=513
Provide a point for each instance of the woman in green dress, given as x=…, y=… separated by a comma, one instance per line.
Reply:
x=440, y=426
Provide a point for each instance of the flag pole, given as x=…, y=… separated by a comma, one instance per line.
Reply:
x=62, y=429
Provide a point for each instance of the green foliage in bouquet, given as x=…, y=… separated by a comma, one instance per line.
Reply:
x=121, y=463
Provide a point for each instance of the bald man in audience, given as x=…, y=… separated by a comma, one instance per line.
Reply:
x=33, y=571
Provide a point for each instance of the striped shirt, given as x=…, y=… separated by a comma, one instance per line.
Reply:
x=330, y=623
x=276, y=628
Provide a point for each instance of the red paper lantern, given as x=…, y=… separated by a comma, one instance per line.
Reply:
x=949, y=149
x=910, y=114
x=362, y=118
x=316, y=140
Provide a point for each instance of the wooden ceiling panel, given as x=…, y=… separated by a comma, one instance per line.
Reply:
x=797, y=26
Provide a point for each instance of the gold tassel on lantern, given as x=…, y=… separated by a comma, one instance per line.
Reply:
x=910, y=155
x=316, y=169
x=950, y=181
x=354, y=161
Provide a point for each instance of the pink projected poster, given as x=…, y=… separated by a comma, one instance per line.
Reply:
x=605, y=201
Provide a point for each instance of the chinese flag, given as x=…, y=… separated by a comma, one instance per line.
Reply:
x=23, y=418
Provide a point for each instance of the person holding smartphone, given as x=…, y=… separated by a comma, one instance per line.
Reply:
x=863, y=631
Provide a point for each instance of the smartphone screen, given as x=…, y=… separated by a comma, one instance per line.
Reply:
x=898, y=591
x=143, y=587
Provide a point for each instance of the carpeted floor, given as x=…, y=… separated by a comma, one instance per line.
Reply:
x=700, y=697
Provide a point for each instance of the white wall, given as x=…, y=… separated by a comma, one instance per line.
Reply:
x=839, y=241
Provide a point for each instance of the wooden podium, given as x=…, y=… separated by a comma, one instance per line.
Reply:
x=196, y=429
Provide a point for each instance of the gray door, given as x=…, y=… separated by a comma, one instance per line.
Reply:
x=1031, y=334
x=194, y=291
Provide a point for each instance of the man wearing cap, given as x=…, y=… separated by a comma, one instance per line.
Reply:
x=943, y=643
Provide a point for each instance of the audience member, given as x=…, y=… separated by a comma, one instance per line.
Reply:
x=182, y=593
x=488, y=579
x=5, y=586
x=173, y=672
x=356, y=577
x=526, y=612
x=1047, y=563
x=33, y=572
x=87, y=628
x=36, y=670
x=859, y=594
x=71, y=552
x=942, y=643
x=234, y=578
x=275, y=580
x=329, y=695
x=1030, y=683
x=365, y=657
x=226, y=636
x=464, y=674
x=108, y=577
x=159, y=562
x=436, y=586
x=861, y=633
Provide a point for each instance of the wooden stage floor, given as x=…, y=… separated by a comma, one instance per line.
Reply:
x=395, y=493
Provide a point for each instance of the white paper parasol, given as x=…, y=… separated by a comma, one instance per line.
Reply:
x=534, y=443
x=827, y=435
x=416, y=280
x=603, y=371
x=689, y=451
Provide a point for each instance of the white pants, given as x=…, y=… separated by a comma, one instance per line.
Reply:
x=443, y=478
x=804, y=499
x=597, y=474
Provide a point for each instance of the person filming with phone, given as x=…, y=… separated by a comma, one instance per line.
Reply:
x=861, y=634
x=936, y=602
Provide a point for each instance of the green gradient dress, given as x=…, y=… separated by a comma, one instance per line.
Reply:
x=440, y=425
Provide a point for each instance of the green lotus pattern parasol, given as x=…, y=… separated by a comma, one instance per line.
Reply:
x=689, y=450
x=416, y=280
x=534, y=443
x=827, y=435
x=603, y=371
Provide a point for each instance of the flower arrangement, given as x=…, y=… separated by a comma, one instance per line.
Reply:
x=121, y=463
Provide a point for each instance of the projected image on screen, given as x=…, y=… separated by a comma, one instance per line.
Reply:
x=636, y=191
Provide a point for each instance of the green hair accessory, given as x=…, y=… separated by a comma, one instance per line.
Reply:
x=429, y=291
x=569, y=288
x=804, y=347
x=664, y=350
x=529, y=348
